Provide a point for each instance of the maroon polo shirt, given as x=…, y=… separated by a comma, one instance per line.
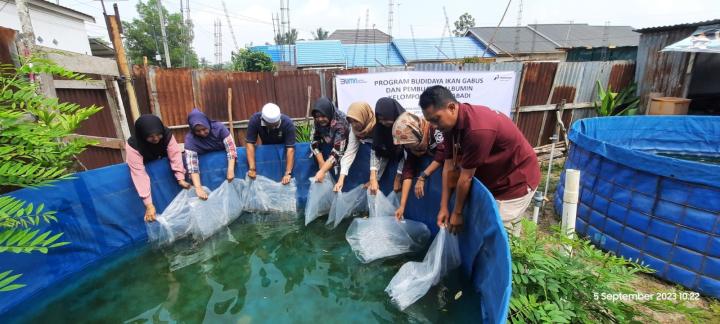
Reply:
x=489, y=142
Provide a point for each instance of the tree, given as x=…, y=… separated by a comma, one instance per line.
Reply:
x=143, y=37
x=320, y=34
x=35, y=149
x=204, y=63
x=251, y=61
x=465, y=22
x=288, y=38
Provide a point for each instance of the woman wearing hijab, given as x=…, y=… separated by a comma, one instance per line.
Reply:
x=387, y=110
x=419, y=139
x=362, y=124
x=331, y=128
x=207, y=136
x=152, y=141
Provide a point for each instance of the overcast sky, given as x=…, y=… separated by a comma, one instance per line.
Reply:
x=252, y=23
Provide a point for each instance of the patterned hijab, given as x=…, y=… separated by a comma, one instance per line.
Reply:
x=411, y=129
x=362, y=113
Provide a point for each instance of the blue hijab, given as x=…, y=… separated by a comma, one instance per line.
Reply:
x=214, y=140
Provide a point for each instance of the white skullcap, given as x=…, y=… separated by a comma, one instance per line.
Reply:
x=271, y=113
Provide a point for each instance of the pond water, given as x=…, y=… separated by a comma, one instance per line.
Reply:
x=263, y=268
x=696, y=158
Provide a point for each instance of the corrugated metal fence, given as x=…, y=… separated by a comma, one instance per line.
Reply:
x=172, y=93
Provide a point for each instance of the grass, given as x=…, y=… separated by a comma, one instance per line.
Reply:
x=700, y=310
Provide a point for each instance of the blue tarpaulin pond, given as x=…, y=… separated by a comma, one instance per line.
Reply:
x=101, y=215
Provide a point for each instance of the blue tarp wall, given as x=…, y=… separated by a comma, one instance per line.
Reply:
x=662, y=211
x=100, y=213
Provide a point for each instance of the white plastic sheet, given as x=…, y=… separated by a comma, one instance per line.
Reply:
x=320, y=199
x=381, y=205
x=414, y=279
x=381, y=237
x=265, y=195
x=223, y=206
x=176, y=221
x=347, y=204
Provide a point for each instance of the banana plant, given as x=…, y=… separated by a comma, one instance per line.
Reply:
x=623, y=103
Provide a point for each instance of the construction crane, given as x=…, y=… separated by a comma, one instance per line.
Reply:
x=232, y=33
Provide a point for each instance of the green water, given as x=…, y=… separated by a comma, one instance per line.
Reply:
x=263, y=269
x=696, y=158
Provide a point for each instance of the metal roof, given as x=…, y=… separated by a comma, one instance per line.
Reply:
x=320, y=53
x=439, y=49
x=278, y=53
x=686, y=25
x=360, y=36
x=584, y=35
x=529, y=41
x=371, y=55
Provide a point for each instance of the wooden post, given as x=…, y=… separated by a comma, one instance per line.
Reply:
x=230, y=116
x=307, y=113
x=121, y=59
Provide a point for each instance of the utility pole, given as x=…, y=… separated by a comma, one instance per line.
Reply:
x=27, y=35
x=162, y=31
x=218, y=41
x=113, y=25
x=390, y=23
x=232, y=33
x=518, y=25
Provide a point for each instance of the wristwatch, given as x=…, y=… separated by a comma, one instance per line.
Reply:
x=423, y=176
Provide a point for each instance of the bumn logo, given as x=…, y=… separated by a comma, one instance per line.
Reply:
x=351, y=81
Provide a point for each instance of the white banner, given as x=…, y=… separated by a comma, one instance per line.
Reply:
x=491, y=89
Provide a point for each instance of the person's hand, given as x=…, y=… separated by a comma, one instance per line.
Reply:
x=184, y=184
x=252, y=174
x=400, y=213
x=319, y=176
x=149, y=213
x=420, y=188
x=286, y=179
x=456, y=223
x=200, y=192
x=442, y=217
x=373, y=186
x=230, y=175
x=339, y=185
x=397, y=184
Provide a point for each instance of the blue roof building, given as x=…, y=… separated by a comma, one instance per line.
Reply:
x=323, y=53
x=372, y=55
x=440, y=49
x=278, y=53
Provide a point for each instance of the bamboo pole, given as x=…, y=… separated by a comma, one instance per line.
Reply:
x=230, y=118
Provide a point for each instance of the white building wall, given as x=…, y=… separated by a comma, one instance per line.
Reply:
x=56, y=31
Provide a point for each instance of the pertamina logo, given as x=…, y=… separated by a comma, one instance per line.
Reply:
x=499, y=77
x=352, y=81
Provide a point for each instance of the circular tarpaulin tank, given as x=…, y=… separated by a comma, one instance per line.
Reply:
x=643, y=205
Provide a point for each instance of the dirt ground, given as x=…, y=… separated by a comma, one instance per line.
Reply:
x=700, y=310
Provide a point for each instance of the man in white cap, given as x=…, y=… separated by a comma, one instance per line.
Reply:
x=273, y=128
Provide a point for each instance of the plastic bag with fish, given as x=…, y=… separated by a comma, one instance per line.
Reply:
x=266, y=195
x=223, y=206
x=347, y=204
x=381, y=237
x=320, y=199
x=381, y=205
x=176, y=221
x=414, y=279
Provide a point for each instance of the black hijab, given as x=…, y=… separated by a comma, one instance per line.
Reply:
x=386, y=109
x=145, y=126
x=324, y=107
